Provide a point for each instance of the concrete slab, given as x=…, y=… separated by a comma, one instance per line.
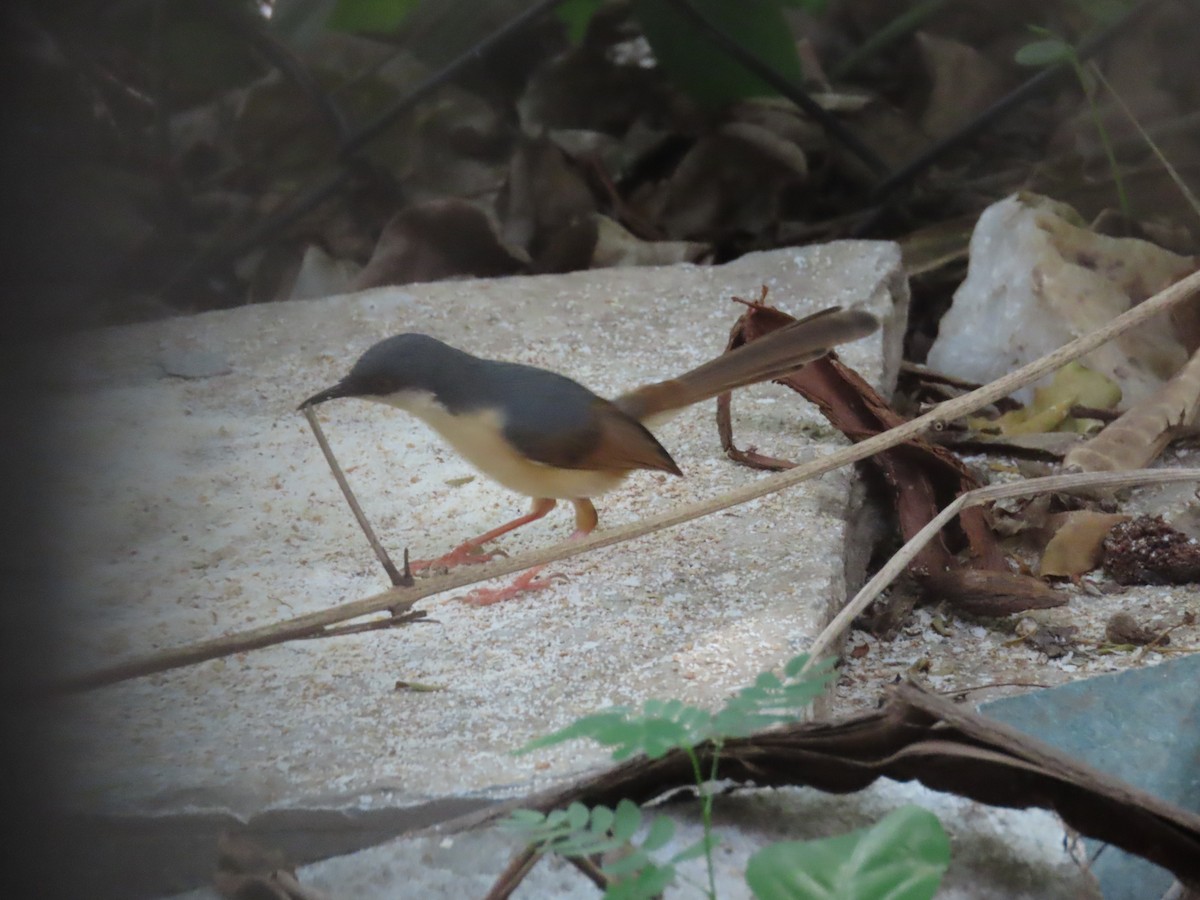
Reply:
x=196, y=504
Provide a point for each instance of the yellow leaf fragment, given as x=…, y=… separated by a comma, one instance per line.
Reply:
x=1073, y=385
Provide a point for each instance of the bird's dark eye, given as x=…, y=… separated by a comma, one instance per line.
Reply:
x=378, y=384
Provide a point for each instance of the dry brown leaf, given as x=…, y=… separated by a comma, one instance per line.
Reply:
x=1122, y=628
x=964, y=83
x=616, y=246
x=439, y=239
x=991, y=592
x=1077, y=545
x=730, y=182
x=921, y=477
x=545, y=192
x=1137, y=438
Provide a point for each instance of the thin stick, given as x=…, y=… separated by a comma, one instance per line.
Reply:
x=514, y=873
x=399, y=599
x=1183, y=186
x=906, y=554
x=394, y=574
x=1006, y=104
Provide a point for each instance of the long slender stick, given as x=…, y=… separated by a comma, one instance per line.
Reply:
x=399, y=599
x=394, y=574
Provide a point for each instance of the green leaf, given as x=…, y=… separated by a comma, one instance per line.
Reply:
x=535, y=828
x=629, y=864
x=812, y=6
x=627, y=820
x=585, y=843
x=577, y=816
x=902, y=857
x=375, y=16
x=662, y=830
x=1046, y=52
x=707, y=72
x=576, y=830
x=577, y=15
x=604, y=728
x=647, y=884
x=602, y=819
x=520, y=819
x=663, y=726
x=771, y=700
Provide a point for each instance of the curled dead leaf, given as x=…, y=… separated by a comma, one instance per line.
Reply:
x=1077, y=544
x=439, y=239
x=1137, y=438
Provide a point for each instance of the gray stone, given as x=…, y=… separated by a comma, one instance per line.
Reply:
x=1142, y=726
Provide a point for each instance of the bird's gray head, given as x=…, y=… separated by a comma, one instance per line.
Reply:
x=404, y=362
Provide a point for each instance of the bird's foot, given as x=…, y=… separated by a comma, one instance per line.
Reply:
x=468, y=554
x=527, y=581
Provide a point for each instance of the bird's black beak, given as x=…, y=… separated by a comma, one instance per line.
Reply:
x=342, y=389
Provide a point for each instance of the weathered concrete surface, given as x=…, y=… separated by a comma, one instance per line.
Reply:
x=199, y=506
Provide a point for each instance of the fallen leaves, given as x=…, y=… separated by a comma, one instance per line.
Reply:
x=1074, y=385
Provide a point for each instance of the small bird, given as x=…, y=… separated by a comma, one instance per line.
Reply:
x=543, y=435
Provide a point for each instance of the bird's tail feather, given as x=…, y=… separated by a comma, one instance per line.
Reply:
x=771, y=356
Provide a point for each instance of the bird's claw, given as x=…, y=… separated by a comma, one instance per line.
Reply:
x=526, y=581
x=467, y=554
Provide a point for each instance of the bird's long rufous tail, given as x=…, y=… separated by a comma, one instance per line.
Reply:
x=771, y=356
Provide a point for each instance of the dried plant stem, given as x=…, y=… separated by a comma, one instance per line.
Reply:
x=394, y=575
x=906, y=554
x=514, y=873
x=1166, y=164
x=402, y=598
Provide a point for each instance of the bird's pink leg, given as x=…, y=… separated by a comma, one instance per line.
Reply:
x=472, y=551
x=527, y=581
